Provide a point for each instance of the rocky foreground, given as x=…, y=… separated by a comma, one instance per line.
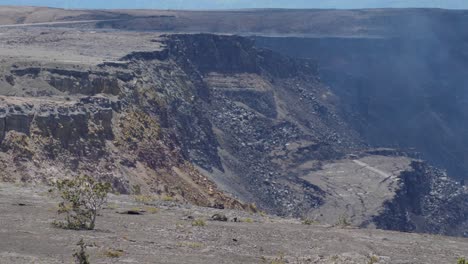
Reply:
x=162, y=232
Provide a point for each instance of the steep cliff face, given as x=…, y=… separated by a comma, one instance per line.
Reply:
x=241, y=127
x=404, y=91
x=73, y=124
x=275, y=125
x=255, y=102
x=427, y=201
x=230, y=111
x=205, y=116
x=123, y=135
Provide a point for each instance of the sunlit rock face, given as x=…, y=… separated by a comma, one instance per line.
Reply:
x=216, y=121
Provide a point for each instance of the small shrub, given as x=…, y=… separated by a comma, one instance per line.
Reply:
x=82, y=198
x=136, y=209
x=167, y=198
x=248, y=220
x=343, y=221
x=144, y=199
x=80, y=256
x=199, y=222
x=373, y=259
x=308, y=222
x=280, y=259
x=462, y=261
x=112, y=206
x=192, y=245
x=136, y=189
x=113, y=253
x=180, y=226
x=151, y=210
x=252, y=208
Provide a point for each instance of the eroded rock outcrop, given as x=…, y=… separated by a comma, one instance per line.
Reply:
x=241, y=91
x=73, y=81
x=205, y=114
x=427, y=201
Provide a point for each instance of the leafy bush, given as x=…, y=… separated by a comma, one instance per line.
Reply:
x=462, y=261
x=80, y=256
x=82, y=198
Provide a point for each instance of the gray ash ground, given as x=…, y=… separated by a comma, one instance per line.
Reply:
x=164, y=234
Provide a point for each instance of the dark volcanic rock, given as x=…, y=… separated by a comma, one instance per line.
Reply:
x=428, y=201
x=403, y=91
x=207, y=113
x=271, y=115
x=251, y=132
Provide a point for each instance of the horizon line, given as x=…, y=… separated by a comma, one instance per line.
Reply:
x=239, y=9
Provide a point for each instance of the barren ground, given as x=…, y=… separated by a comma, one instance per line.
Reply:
x=72, y=46
x=356, y=188
x=167, y=236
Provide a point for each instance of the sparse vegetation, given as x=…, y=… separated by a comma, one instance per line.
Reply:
x=20, y=145
x=334, y=258
x=248, y=220
x=192, y=245
x=280, y=259
x=144, y=199
x=167, y=198
x=252, y=208
x=180, y=226
x=113, y=253
x=373, y=259
x=199, y=222
x=136, y=189
x=462, y=261
x=343, y=221
x=80, y=256
x=151, y=210
x=309, y=222
x=137, y=127
x=82, y=198
x=112, y=206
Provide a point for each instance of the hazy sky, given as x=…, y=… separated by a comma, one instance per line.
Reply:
x=228, y=4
